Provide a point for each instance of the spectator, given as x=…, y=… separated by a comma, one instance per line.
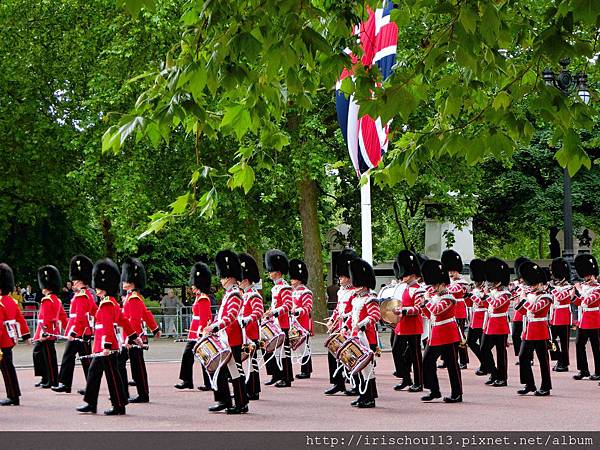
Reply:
x=29, y=295
x=17, y=296
x=169, y=304
x=67, y=294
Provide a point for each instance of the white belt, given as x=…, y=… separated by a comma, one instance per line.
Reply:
x=195, y=317
x=492, y=315
x=559, y=306
x=479, y=309
x=40, y=320
x=10, y=322
x=596, y=308
x=99, y=326
x=443, y=322
x=72, y=316
x=537, y=319
x=458, y=300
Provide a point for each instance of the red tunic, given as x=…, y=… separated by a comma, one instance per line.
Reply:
x=365, y=313
x=589, y=303
x=227, y=318
x=302, y=299
x=343, y=308
x=411, y=323
x=13, y=325
x=496, y=321
x=136, y=312
x=50, y=316
x=519, y=293
x=459, y=288
x=108, y=316
x=480, y=305
x=201, y=315
x=535, y=322
x=440, y=310
x=561, y=307
x=253, y=309
x=82, y=309
x=282, y=302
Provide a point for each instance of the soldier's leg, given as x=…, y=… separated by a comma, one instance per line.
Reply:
x=580, y=343
x=121, y=360
x=116, y=384
x=186, y=370
x=67, y=365
x=11, y=382
x=525, y=371
x=92, y=387
x=541, y=351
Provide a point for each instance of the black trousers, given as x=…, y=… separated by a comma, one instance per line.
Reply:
x=67, y=365
x=371, y=391
x=45, y=363
x=338, y=379
x=562, y=333
x=474, y=337
x=11, y=382
x=583, y=336
x=463, y=353
x=306, y=366
x=253, y=383
x=138, y=370
x=396, y=355
x=499, y=369
x=107, y=365
x=540, y=348
x=408, y=347
x=223, y=394
x=449, y=352
x=286, y=373
x=517, y=330
x=186, y=371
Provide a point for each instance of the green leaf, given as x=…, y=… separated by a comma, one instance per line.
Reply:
x=236, y=118
x=179, y=205
x=502, y=100
x=468, y=18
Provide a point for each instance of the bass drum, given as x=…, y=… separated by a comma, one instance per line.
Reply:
x=387, y=308
x=211, y=353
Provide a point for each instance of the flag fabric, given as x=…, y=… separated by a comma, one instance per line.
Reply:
x=367, y=138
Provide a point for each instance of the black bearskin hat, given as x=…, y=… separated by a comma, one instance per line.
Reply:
x=497, y=271
x=277, y=261
x=362, y=274
x=250, y=270
x=561, y=269
x=298, y=271
x=81, y=269
x=477, y=270
x=7, y=279
x=342, y=268
x=200, y=277
x=434, y=273
x=520, y=260
x=106, y=277
x=133, y=271
x=452, y=261
x=586, y=264
x=396, y=268
x=49, y=278
x=228, y=265
x=532, y=273
x=408, y=264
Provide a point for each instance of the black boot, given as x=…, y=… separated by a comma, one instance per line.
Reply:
x=184, y=385
x=404, y=384
x=457, y=399
x=115, y=411
x=335, y=389
x=526, y=390
x=87, y=408
x=10, y=402
x=62, y=388
x=431, y=396
x=139, y=399
x=220, y=406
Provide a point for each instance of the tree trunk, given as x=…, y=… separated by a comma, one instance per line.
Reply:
x=109, y=237
x=311, y=234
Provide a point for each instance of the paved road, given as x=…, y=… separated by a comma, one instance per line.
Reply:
x=304, y=407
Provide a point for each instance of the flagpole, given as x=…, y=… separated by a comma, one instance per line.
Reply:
x=365, y=221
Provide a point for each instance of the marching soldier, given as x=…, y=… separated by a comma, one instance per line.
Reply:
x=133, y=279
x=587, y=298
x=302, y=300
x=229, y=271
x=13, y=326
x=459, y=288
x=393, y=291
x=79, y=328
x=439, y=306
x=407, y=343
x=277, y=265
x=495, y=328
x=560, y=313
x=200, y=280
x=250, y=315
x=519, y=291
x=480, y=305
x=105, y=278
x=341, y=313
x=50, y=318
x=536, y=332
x=363, y=323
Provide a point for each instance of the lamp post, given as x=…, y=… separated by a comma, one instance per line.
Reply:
x=567, y=84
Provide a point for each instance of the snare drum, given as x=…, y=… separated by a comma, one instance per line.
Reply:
x=298, y=336
x=334, y=342
x=354, y=356
x=271, y=336
x=211, y=353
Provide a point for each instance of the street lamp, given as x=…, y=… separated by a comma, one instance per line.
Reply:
x=567, y=84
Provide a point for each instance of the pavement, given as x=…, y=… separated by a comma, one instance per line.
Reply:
x=573, y=405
